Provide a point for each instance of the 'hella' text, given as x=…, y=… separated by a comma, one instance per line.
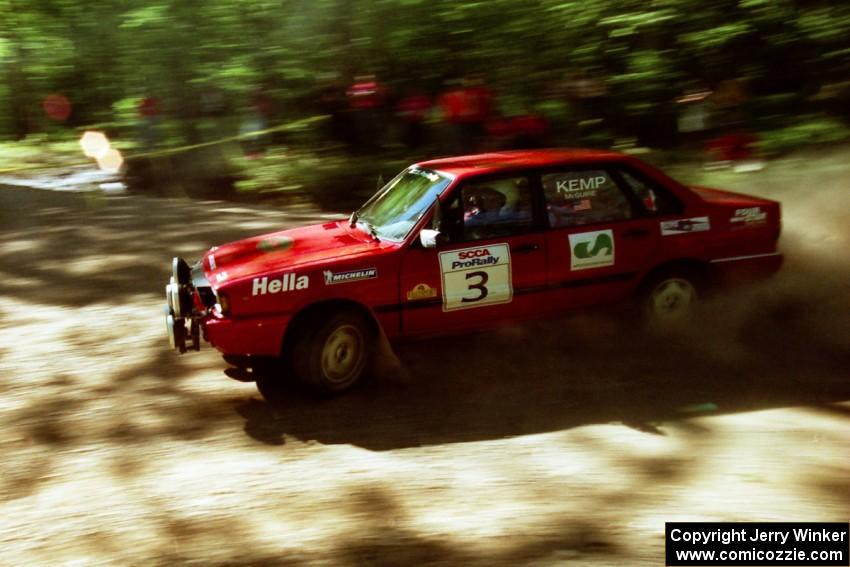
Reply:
x=286, y=282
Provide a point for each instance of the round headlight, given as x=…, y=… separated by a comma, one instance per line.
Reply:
x=180, y=271
x=174, y=299
x=169, y=324
x=223, y=303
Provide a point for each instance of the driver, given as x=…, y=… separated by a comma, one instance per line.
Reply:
x=484, y=207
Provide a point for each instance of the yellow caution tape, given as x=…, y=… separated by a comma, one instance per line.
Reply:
x=181, y=149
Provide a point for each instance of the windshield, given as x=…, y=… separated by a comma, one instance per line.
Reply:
x=394, y=210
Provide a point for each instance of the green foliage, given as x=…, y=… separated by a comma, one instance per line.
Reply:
x=106, y=56
x=109, y=51
x=125, y=112
x=335, y=181
x=807, y=130
x=40, y=150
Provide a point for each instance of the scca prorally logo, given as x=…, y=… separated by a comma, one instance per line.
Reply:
x=332, y=278
x=474, y=257
x=287, y=282
x=591, y=249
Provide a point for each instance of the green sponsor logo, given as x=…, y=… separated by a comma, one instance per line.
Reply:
x=275, y=243
x=592, y=249
x=584, y=250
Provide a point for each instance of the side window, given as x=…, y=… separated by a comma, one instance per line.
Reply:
x=587, y=196
x=655, y=200
x=495, y=208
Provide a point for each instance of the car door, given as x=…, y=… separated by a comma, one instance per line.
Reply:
x=493, y=267
x=599, y=240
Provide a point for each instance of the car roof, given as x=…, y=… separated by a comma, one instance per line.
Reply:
x=494, y=162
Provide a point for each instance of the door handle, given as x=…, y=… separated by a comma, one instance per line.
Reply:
x=525, y=248
x=635, y=232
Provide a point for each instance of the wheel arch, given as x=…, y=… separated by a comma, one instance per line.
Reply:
x=701, y=268
x=320, y=309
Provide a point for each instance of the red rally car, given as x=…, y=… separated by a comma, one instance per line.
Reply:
x=462, y=243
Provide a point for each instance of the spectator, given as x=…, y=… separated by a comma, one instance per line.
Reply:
x=255, y=125
x=529, y=130
x=467, y=108
x=476, y=105
x=366, y=99
x=451, y=105
x=412, y=111
x=332, y=102
x=149, y=114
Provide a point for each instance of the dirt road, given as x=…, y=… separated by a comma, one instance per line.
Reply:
x=564, y=443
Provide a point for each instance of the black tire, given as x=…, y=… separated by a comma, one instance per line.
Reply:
x=333, y=352
x=669, y=297
x=271, y=386
x=270, y=375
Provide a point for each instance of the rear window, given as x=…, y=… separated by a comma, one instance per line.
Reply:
x=580, y=197
x=654, y=199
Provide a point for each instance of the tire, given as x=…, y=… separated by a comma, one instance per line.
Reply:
x=270, y=375
x=333, y=352
x=669, y=297
x=271, y=386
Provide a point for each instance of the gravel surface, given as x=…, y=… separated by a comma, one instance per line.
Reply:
x=560, y=443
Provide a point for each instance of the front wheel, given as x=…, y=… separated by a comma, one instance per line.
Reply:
x=271, y=386
x=334, y=352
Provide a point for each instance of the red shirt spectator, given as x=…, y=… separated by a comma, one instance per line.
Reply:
x=365, y=94
x=149, y=107
x=414, y=108
x=476, y=102
x=452, y=105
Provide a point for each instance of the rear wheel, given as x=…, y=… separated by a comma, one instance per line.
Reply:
x=333, y=352
x=670, y=297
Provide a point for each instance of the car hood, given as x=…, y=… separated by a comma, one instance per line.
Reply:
x=284, y=250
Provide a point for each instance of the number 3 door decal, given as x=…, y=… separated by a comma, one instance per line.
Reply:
x=475, y=277
x=481, y=286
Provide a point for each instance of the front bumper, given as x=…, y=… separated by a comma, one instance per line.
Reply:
x=184, y=306
x=183, y=332
x=190, y=317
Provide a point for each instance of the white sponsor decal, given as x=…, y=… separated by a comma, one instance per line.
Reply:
x=681, y=226
x=429, y=175
x=212, y=261
x=585, y=186
x=287, y=282
x=591, y=249
x=475, y=277
x=332, y=278
x=750, y=215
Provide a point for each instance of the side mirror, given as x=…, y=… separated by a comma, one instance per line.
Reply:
x=430, y=238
